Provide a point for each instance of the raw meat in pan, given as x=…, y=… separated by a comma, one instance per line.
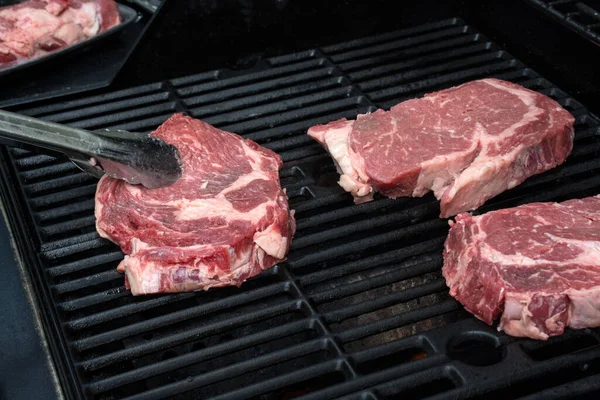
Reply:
x=535, y=266
x=467, y=144
x=225, y=220
x=34, y=28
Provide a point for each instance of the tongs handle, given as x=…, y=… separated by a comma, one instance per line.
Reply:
x=134, y=157
x=56, y=137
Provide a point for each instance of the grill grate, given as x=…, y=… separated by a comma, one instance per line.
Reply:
x=360, y=309
x=579, y=16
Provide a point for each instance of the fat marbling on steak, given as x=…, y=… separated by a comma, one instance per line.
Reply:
x=225, y=220
x=537, y=266
x=467, y=144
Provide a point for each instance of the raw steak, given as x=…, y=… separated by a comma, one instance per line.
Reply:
x=466, y=144
x=34, y=28
x=225, y=220
x=536, y=265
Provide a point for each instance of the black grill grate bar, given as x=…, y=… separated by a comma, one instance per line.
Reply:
x=87, y=281
x=322, y=201
x=81, y=265
x=70, y=250
x=62, y=228
x=447, y=68
x=409, y=32
x=398, y=217
x=59, y=184
x=428, y=366
x=386, y=301
x=399, y=320
x=291, y=94
x=275, y=107
x=549, y=194
x=453, y=47
x=20, y=153
x=403, y=271
x=349, y=211
x=110, y=120
x=93, y=100
x=400, y=43
x=363, y=395
x=247, y=392
x=296, y=154
x=45, y=172
x=586, y=128
x=397, y=387
x=371, y=241
x=144, y=125
x=164, y=320
x=134, y=305
x=411, y=342
x=63, y=196
x=35, y=160
x=301, y=114
x=108, y=109
x=197, y=78
x=586, y=388
x=71, y=172
x=65, y=211
x=534, y=83
x=291, y=58
x=302, y=126
x=394, y=256
x=186, y=336
x=92, y=300
x=407, y=90
x=250, y=78
x=573, y=106
x=568, y=171
x=532, y=371
x=260, y=89
x=552, y=91
x=74, y=240
x=289, y=143
x=373, y=67
x=198, y=356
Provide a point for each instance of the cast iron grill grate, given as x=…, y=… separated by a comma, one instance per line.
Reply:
x=580, y=16
x=359, y=310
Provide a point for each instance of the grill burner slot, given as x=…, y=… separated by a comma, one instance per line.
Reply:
x=476, y=348
x=359, y=309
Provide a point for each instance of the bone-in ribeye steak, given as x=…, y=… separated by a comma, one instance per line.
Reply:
x=536, y=265
x=467, y=144
x=225, y=220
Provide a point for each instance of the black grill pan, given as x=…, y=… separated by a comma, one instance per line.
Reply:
x=359, y=311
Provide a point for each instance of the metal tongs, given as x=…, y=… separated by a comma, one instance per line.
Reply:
x=134, y=157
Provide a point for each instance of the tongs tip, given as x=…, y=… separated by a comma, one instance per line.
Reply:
x=145, y=160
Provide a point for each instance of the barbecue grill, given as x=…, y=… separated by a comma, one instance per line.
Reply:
x=360, y=309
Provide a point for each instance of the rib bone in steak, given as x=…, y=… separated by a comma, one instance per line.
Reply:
x=466, y=144
x=536, y=265
x=225, y=220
